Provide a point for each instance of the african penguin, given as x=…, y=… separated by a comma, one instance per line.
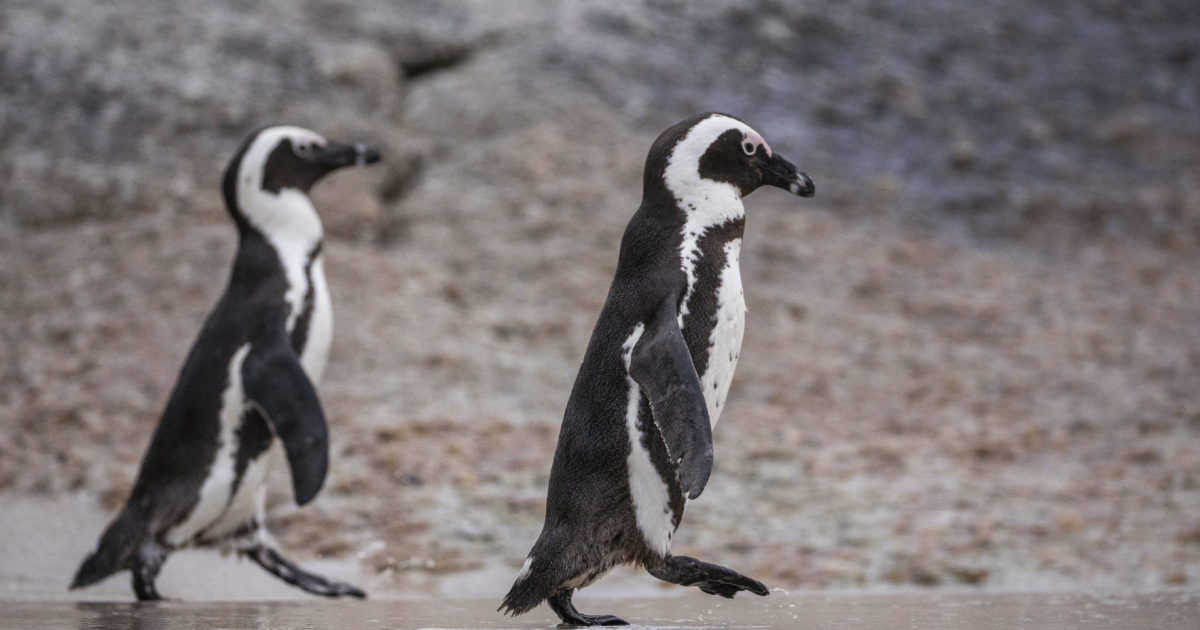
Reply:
x=636, y=437
x=247, y=380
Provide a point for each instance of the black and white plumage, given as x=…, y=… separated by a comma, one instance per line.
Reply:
x=636, y=437
x=247, y=385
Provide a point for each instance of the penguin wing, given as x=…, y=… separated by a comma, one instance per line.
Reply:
x=274, y=381
x=662, y=366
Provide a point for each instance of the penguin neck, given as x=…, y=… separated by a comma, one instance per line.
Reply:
x=287, y=218
x=707, y=203
x=707, y=206
x=288, y=223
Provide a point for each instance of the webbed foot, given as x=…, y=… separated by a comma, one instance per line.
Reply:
x=560, y=603
x=146, y=565
x=710, y=578
x=286, y=570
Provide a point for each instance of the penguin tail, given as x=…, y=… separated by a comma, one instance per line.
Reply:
x=530, y=589
x=113, y=554
x=95, y=567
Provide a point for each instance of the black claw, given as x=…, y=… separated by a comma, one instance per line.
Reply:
x=745, y=583
x=582, y=621
x=319, y=586
x=561, y=604
x=146, y=566
x=149, y=597
x=353, y=591
x=716, y=588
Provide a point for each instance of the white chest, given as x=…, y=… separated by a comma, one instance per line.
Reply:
x=708, y=206
x=725, y=341
x=320, y=325
x=290, y=223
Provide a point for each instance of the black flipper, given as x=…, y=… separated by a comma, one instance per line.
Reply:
x=663, y=368
x=275, y=382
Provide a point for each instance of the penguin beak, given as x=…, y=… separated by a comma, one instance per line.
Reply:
x=336, y=155
x=781, y=173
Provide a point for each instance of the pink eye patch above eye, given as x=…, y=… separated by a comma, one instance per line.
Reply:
x=753, y=139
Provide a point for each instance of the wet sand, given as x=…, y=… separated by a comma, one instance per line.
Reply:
x=1164, y=611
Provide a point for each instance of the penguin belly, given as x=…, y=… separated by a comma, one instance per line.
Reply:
x=725, y=340
x=247, y=502
x=227, y=500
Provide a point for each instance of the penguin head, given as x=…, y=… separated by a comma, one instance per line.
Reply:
x=718, y=148
x=267, y=181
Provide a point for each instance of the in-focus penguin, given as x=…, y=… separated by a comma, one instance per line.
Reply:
x=247, y=381
x=636, y=438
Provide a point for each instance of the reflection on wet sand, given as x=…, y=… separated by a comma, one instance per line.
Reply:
x=860, y=611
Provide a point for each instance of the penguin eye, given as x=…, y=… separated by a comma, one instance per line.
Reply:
x=749, y=147
x=303, y=149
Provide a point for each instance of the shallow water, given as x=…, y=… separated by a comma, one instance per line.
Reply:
x=1165, y=611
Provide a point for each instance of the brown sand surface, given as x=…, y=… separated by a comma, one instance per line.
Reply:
x=926, y=610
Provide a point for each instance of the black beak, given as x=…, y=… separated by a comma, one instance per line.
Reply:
x=335, y=155
x=781, y=173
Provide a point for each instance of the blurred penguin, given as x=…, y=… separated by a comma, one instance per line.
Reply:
x=247, y=386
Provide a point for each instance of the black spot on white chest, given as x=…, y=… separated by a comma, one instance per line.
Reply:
x=305, y=306
x=309, y=318
x=714, y=310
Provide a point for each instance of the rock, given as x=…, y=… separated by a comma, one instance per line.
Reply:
x=112, y=116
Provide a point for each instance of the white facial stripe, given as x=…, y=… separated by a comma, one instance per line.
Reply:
x=214, y=494
x=682, y=175
x=250, y=171
x=651, y=500
x=707, y=203
x=753, y=138
x=287, y=214
x=287, y=218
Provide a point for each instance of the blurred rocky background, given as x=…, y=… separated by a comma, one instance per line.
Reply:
x=973, y=359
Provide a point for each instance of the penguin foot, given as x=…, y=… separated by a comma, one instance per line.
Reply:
x=286, y=570
x=710, y=578
x=146, y=565
x=560, y=603
x=145, y=589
